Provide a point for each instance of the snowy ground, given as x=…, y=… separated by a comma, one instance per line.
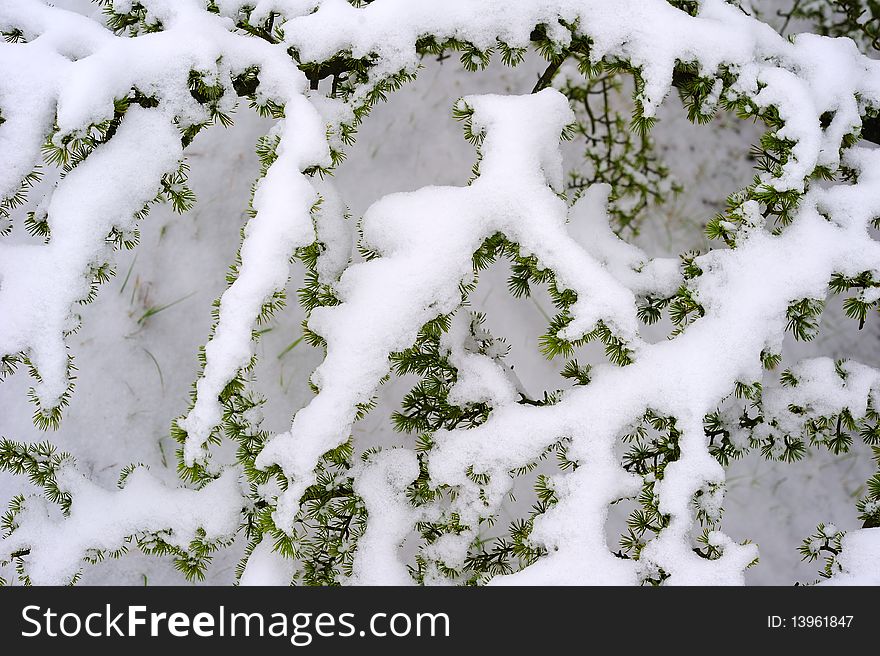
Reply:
x=136, y=352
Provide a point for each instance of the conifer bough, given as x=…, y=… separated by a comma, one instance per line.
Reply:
x=95, y=120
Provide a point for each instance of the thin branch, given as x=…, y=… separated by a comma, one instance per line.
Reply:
x=550, y=72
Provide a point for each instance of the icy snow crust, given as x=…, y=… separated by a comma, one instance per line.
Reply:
x=69, y=72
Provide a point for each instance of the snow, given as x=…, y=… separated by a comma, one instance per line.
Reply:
x=817, y=75
x=589, y=227
x=32, y=73
x=480, y=378
x=43, y=282
x=426, y=239
x=821, y=392
x=685, y=377
x=282, y=223
x=859, y=554
x=793, y=77
x=381, y=484
x=71, y=71
x=102, y=520
x=334, y=231
x=266, y=567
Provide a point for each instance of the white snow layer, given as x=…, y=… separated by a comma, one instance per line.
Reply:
x=265, y=566
x=858, y=559
x=71, y=70
x=101, y=520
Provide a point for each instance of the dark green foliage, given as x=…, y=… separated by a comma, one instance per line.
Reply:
x=614, y=153
x=857, y=19
x=40, y=463
x=824, y=542
x=18, y=199
x=689, y=6
x=803, y=318
x=869, y=505
x=133, y=22
x=49, y=418
x=425, y=408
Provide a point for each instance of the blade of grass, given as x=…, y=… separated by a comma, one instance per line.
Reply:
x=128, y=275
x=153, y=311
x=158, y=368
x=290, y=347
x=540, y=309
x=162, y=451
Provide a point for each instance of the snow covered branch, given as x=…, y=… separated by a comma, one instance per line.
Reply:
x=113, y=108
